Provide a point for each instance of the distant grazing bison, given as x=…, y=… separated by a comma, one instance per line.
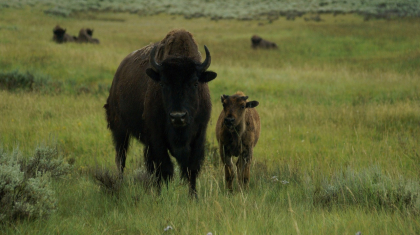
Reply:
x=258, y=42
x=85, y=35
x=160, y=96
x=237, y=132
x=61, y=36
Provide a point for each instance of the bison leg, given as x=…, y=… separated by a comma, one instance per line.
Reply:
x=121, y=142
x=190, y=160
x=243, y=165
x=229, y=168
x=190, y=164
x=159, y=163
x=191, y=176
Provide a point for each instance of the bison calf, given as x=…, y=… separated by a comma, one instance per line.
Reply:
x=237, y=132
x=85, y=36
x=258, y=42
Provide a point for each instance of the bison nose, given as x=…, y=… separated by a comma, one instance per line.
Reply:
x=178, y=118
x=229, y=121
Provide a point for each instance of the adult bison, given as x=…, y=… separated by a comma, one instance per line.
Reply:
x=258, y=42
x=237, y=132
x=85, y=36
x=60, y=35
x=160, y=96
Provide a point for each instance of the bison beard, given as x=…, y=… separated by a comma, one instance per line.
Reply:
x=166, y=106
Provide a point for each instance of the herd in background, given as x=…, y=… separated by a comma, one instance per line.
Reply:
x=85, y=36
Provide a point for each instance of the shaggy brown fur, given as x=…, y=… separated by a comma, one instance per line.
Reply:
x=237, y=132
x=258, y=42
x=143, y=98
x=85, y=36
x=60, y=35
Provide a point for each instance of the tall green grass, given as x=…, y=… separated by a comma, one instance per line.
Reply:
x=339, y=106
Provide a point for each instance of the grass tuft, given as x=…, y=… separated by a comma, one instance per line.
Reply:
x=109, y=182
x=369, y=188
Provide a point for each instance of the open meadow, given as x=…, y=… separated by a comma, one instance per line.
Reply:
x=340, y=124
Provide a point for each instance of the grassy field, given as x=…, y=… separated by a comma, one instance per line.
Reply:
x=339, y=106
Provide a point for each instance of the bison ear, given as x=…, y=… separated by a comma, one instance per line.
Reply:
x=207, y=76
x=252, y=104
x=153, y=74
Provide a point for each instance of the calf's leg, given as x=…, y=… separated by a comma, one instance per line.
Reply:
x=229, y=168
x=243, y=165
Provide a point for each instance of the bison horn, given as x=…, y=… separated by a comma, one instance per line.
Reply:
x=157, y=67
x=206, y=64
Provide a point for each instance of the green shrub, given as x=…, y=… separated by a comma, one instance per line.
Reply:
x=25, y=191
x=45, y=160
x=18, y=81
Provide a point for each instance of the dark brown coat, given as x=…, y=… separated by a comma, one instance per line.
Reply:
x=258, y=42
x=237, y=132
x=60, y=35
x=85, y=36
x=160, y=96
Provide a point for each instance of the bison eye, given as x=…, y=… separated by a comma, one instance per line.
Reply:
x=243, y=106
x=196, y=84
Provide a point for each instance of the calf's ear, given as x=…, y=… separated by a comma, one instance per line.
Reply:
x=153, y=74
x=207, y=76
x=223, y=97
x=252, y=104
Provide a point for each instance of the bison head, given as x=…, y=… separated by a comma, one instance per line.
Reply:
x=89, y=32
x=181, y=80
x=59, y=33
x=256, y=39
x=234, y=108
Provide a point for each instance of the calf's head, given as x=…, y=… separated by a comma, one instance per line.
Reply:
x=181, y=79
x=234, y=108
